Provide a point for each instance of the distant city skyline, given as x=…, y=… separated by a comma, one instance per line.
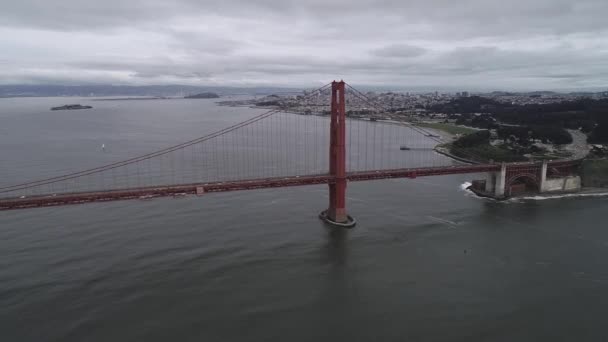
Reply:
x=469, y=45
x=24, y=90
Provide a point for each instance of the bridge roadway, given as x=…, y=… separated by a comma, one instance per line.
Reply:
x=200, y=188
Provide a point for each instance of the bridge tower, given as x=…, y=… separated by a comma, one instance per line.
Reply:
x=336, y=213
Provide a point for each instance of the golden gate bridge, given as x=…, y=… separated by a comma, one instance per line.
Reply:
x=280, y=149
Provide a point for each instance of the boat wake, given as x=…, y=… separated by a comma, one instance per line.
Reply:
x=444, y=221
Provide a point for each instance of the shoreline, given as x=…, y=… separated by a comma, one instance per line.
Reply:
x=441, y=150
x=583, y=192
x=446, y=136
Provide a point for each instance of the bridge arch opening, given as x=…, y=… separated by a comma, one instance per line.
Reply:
x=522, y=184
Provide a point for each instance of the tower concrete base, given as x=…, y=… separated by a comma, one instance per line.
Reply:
x=350, y=223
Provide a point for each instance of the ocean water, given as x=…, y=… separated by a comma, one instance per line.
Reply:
x=428, y=261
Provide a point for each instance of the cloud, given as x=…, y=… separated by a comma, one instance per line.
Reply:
x=470, y=43
x=399, y=50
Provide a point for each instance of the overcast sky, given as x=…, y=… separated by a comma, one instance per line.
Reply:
x=472, y=44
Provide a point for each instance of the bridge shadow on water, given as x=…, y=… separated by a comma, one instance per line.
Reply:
x=335, y=251
x=338, y=288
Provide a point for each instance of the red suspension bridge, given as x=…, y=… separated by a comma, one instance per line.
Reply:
x=280, y=149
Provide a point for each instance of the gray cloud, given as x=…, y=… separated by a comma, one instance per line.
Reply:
x=399, y=50
x=477, y=17
x=469, y=43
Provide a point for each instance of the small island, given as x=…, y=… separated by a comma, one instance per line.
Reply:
x=203, y=96
x=71, y=107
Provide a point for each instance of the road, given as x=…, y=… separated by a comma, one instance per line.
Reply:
x=579, y=147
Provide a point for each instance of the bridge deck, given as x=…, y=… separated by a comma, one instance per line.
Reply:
x=199, y=188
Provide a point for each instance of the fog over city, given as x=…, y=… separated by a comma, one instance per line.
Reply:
x=467, y=44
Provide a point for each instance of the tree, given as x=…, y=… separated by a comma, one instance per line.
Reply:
x=599, y=135
x=473, y=139
x=521, y=133
x=553, y=134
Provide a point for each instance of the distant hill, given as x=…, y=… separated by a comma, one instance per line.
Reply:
x=207, y=95
x=152, y=91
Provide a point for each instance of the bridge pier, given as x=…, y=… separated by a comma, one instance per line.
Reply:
x=501, y=178
x=490, y=182
x=494, y=183
x=518, y=179
x=336, y=212
x=542, y=187
x=557, y=184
